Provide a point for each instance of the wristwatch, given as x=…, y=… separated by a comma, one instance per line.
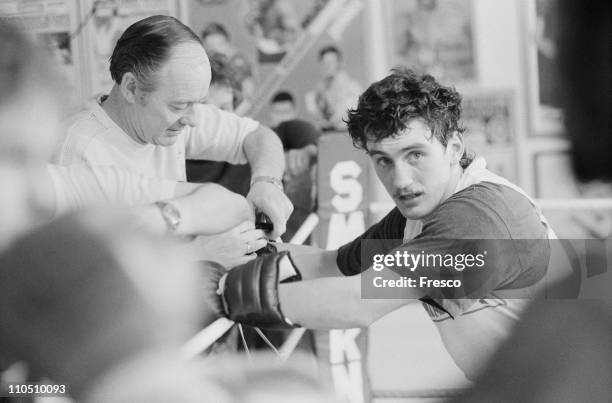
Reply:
x=171, y=215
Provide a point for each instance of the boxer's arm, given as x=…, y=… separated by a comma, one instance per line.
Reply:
x=313, y=262
x=333, y=303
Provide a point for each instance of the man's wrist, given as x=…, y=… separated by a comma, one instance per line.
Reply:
x=268, y=179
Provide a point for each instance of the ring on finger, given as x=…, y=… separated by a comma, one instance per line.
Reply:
x=249, y=249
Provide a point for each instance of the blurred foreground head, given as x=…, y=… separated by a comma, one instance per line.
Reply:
x=29, y=127
x=585, y=58
x=80, y=298
x=222, y=379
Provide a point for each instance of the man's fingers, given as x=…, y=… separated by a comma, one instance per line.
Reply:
x=258, y=244
x=245, y=226
x=253, y=235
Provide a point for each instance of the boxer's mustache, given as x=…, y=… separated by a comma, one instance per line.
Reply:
x=406, y=193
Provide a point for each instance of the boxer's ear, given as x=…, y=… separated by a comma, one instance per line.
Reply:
x=456, y=147
x=129, y=87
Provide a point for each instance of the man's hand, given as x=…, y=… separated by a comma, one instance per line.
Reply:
x=270, y=200
x=230, y=248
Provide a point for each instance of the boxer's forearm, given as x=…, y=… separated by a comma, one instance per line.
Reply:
x=264, y=151
x=333, y=303
x=313, y=262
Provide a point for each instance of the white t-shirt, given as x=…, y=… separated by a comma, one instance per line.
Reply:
x=79, y=186
x=95, y=139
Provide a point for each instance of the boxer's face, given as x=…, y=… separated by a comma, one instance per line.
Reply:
x=160, y=116
x=418, y=172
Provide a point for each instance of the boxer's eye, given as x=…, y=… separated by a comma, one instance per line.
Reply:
x=414, y=156
x=384, y=162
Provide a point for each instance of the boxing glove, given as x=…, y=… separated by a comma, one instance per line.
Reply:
x=249, y=293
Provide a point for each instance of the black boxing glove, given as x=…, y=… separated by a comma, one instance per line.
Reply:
x=249, y=293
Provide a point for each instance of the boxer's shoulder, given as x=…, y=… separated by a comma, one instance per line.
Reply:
x=489, y=209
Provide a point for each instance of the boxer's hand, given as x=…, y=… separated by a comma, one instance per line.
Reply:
x=249, y=293
x=274, y=203
x=231, y=248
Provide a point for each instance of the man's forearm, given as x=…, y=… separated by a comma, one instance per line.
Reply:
x=264, y=151
x=333, y=303
x=208, y=209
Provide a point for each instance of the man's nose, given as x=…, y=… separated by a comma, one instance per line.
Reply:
x=189, y=119
x=402, y=176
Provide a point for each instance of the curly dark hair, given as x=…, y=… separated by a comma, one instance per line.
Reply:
x=388, y=105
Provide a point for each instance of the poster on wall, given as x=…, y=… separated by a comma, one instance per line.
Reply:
x=277, y=45
x=110, y=19
x=52, y=23
x=545, y=91
x=435, y=37
x=489, y=120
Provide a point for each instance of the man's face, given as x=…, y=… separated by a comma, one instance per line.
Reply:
x=418, y=172
x=221, y=96
x=330, y=64
x=281, y=112
x=182, y=82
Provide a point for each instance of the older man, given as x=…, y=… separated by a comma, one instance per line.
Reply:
x=154, y=118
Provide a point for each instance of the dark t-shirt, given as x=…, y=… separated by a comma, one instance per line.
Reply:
x=484, y=216
x=296, y=133
x=471, y=326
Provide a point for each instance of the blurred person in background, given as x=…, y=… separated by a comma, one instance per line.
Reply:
x=216, y=39
x=299, y=138
x=224, y=93
x=275, y=26
x=154, y=118
x=335, y=93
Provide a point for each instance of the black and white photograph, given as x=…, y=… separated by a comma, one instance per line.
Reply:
x=318, y=201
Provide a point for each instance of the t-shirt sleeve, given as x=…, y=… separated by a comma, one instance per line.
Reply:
x=218, y=135
x=387, y=233
x=79, y=186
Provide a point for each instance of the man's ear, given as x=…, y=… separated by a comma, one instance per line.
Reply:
x=456, y=146
x=129, y=88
